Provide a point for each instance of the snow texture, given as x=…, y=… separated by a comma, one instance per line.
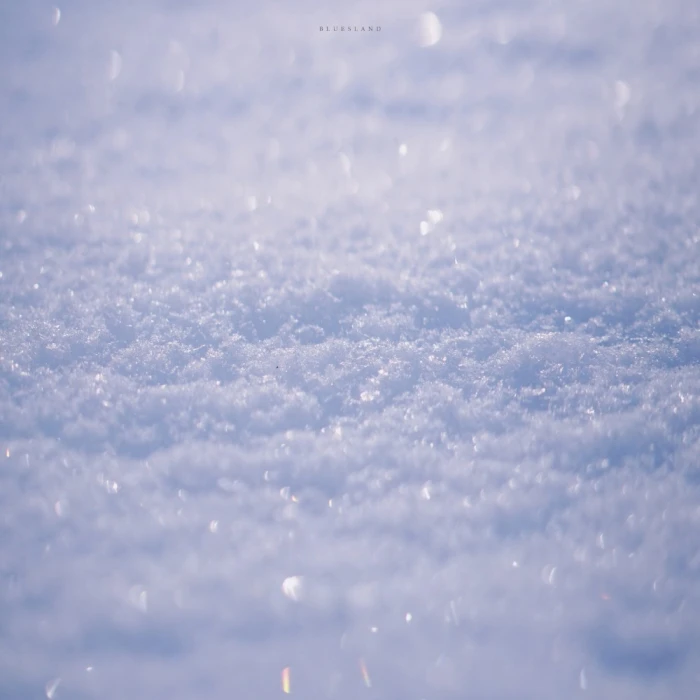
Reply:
x=372, y=356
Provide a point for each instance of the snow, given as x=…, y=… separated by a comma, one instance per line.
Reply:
x=370, y=356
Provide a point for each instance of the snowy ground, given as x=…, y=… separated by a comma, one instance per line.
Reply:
x=231, y=353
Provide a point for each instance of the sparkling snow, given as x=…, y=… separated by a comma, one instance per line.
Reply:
x=409, y=317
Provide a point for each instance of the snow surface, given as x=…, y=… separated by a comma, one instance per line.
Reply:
x=369, y=356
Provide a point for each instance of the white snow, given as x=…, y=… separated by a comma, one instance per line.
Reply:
x=230, y=363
